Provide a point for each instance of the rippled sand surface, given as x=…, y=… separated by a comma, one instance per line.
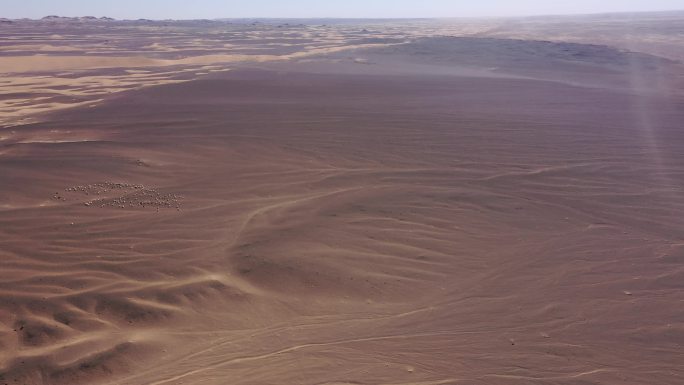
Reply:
x=408, y=209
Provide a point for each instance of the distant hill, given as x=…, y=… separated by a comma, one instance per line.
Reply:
x=82, y=18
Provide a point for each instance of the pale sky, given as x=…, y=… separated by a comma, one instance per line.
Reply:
x=213, y=9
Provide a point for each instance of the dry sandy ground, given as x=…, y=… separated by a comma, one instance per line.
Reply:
x=58, y=63
x=48, y=65
x=449, y=211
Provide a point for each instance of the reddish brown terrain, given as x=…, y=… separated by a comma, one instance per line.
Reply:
x=353, y=204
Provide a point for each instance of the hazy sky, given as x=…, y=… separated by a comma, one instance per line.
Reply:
x=211, y=9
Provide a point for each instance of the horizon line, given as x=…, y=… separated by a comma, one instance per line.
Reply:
x=357, y=18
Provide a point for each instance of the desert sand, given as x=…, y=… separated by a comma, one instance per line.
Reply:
x=397, y=202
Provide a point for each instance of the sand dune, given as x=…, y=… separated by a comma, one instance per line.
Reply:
x=45, y=71
x=329, y=222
